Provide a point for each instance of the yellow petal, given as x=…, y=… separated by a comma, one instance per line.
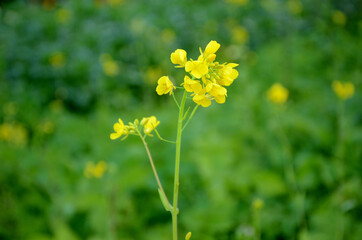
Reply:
x=115, y=135
x=212, y=47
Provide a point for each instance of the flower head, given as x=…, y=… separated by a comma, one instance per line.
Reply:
x=343, y=90
x=207, y=79
x=179, y=57
x=164, y=86
x=95, y=170
x=109, y=66
x=57, y=60
x=149, y=124
x=277, y=93
x=258, y=204
x=339, y=18
x=120, y=129
x=188, y=236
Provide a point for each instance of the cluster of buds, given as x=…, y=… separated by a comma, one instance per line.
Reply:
x=148, y=124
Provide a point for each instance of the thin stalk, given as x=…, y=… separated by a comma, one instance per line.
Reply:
x=162, y=139
x=174, y=98
x=154, y=168
x=192, y=114
x=177, y=167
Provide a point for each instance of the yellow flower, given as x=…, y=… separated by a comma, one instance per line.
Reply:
x=114, y=3
x=239, y=34
x=202, y=99
x=339, y=18
x=179, y=57
x=277, y=93
x=197, y=68
x=258, y=204
x=211, y=48
x=191, y=85
x=149, y=124
x=239, y=2
x=188, y=236
x=228, y=74
x=294, y=6
x=95, y=170
x=120, y=129
x=109, y=66
x=99, y=169
x=63, y=15
x=13, y=133
x=164, y=86
x=218, y=92
x=168, y=36
x=57, y=60
x=343, y=90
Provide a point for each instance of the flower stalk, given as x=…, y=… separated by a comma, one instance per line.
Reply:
x=177, y=167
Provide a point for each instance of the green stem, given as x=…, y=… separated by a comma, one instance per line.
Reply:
x=177, y=167
x=154, y=168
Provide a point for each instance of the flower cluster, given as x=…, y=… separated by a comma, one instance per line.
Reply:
x=208, y=78
x=148, y=124
x=343, y=90
x=277, y=93
x=95, y=170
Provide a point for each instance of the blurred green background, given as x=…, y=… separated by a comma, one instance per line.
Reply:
x=251, y=169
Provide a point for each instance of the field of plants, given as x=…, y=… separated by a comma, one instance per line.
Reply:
x=280, y=159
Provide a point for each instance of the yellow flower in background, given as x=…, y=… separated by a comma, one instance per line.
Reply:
x=114, y=3
x=120, y=129
x=109, y=66
x=152, y=74
x=339, y=18
x=294, y=6
x=14, y=134
x=191, y=85
x=63, y=15
x=239, y=34
x=258, y=204
x=277, y=93
x=168, y=36
x=343, y=90
x=179, y=57
x=95, y=170
x=188, y=236
x=49, y=4
x=164, y=86
x=46, y=127
x=239, y=2
x=149, y=124
x=57, y=60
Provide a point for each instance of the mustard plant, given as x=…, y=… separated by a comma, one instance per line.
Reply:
x=205, y=81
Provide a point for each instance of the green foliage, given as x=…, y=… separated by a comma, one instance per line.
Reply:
x=59, y=97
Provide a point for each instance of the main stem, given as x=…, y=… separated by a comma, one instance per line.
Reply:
x=177, y=167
